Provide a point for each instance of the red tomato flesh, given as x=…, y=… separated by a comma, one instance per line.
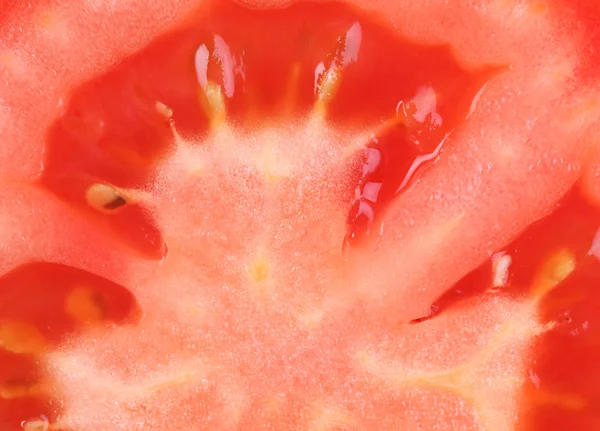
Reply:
x=283, y=219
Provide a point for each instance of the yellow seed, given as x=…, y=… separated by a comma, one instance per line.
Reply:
x=42, y=424
x=21, y=338
x=212, y=93
x=213, y=103
x=164, y=110
x=328, y=78
x=85, y=305
x=328, y=88
x=17, y=389
x=106, y=198
x=553, y=271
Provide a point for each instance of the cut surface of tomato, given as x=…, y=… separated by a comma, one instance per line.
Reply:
x=362, y=216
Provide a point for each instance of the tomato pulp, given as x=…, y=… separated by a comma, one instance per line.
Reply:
x=346, y=220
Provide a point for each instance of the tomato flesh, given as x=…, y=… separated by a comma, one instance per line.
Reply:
x=233, y=175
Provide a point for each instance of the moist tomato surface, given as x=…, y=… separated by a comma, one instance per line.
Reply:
x=303, y=216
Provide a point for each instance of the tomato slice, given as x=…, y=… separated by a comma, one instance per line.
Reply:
x=263, y=201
